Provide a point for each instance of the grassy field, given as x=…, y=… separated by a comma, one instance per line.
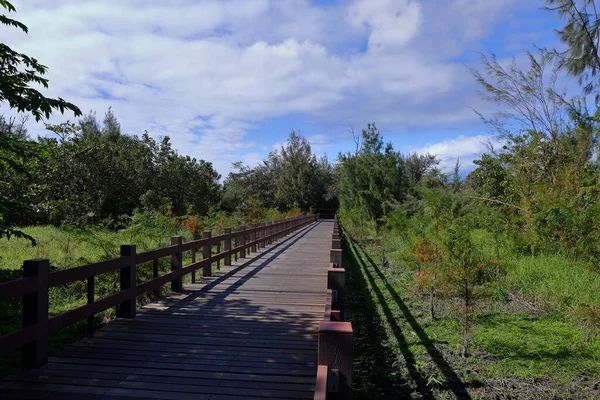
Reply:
x=530, y=345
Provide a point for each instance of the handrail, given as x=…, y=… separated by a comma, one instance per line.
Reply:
x=33, y=287
x=334, y=372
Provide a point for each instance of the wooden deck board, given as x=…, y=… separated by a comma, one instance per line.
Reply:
x=249, y=332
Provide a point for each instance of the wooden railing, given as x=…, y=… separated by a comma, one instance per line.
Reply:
x=36, y=282
x=334, y=372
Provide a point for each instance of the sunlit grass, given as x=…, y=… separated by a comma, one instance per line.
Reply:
x=541, y=338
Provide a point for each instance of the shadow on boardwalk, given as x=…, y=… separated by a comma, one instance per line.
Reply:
x=212, y=343
x=377, y=372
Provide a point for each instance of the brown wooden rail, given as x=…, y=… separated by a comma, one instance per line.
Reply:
x=334, y=372
x=36, y=281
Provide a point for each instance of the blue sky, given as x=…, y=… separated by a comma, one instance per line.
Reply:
x=227, y=80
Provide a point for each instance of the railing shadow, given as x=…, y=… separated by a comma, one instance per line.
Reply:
x=246, y=347
x=453, y=381
x=371, y=336
x=275, y=251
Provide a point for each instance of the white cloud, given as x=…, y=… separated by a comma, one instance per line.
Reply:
x=391, y=23
x=319, y=143
x=466, y=149
x=207, y=73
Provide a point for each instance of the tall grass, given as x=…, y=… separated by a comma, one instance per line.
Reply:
x=552, y=282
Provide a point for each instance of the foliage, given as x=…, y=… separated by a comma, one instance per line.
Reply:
x=193, y=226
x=465, y=274
x=91, y=174
x=292, y=177
x=581, y=35
x=376, y=179
x=18, y=72
x=545, y=177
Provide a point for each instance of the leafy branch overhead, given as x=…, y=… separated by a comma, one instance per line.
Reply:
x=581, y=35
x=19, y=71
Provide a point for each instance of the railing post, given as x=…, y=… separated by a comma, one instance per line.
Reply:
x=243, y=241
x=176, y=264
x=336, y=244
x=336, y=281
x=127, y=308
x=90, y=299
x=154, y=276
x=228, y=246
x=35, y=312
x=269, y=232
x=335, y=351
x=253, y=237
x=207, y=254
x=236, y=242
x=193, y=261
x=336, y=257
x=219, y=260
x=261, y=235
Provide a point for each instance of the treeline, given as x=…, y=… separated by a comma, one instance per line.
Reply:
x=292, y=177
x=90, y=173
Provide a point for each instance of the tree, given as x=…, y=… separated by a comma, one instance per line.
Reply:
x=376, y=180
x=246, y=187
x=371, y=180
x=297, y=180
x=545, y=171
x=529, y=98
x=437, y=208
x=17, y=155
x=17, y=73
x=95, y=173
x=466, y=273
x=581, y=35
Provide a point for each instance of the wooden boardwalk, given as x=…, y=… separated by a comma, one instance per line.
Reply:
x=248, y=332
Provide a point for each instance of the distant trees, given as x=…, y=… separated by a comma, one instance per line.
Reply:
x=292, y=177
x=376, y=179
x=93, y=172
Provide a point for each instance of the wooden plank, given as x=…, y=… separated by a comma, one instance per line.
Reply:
x=85, y=271
x=51, y=374
x=15, y=340
x=155, y=254
x=249, y=331
x=18, y=287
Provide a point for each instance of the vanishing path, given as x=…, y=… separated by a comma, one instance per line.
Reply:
x=249, y=331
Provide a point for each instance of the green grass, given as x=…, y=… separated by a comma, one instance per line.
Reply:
x=67, y=248
x=518, y=351
x=531, y=347
x=555, y=282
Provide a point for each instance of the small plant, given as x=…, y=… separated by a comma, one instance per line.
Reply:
x=589, y=317
x=427, y=258
x=466, y=274
x=193, y=226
